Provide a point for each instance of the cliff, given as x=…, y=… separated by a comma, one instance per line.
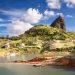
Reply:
x=59, y=23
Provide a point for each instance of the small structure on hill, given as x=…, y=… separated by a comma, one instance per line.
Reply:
x=22, y=45
x=6, y=45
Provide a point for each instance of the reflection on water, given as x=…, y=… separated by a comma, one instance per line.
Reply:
x=22, y=69
x=18, y=57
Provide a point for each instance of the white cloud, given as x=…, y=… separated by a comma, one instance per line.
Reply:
x=32, y=16
x=57, y=4
x=49, y=14
x=54, y=4
x=18, y=27
x=70, y=3
x=13, y=13
x=61, y=14
x=69, y=16
x=1, y=20
x=24, y=22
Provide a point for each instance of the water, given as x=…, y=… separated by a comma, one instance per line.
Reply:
x=18, y=58
x=22, y=69
x=21, y=57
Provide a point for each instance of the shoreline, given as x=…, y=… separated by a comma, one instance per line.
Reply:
x=63, y=61
x=39, y=64
x=47, y=61
x=29, y=64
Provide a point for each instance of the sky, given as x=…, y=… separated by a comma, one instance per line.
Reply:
x=18, y=16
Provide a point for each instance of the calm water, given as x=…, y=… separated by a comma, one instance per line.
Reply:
x=22, y=69
x=18, y=58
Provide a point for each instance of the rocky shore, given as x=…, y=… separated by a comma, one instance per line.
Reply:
x=64, y=61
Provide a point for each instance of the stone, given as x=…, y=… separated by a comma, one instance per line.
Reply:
x=22, y=45
x=6, y=45
x=59, y=22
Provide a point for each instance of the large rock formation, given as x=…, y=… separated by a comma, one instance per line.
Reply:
x=59, y=23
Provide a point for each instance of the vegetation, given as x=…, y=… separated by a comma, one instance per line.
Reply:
x=36, y=39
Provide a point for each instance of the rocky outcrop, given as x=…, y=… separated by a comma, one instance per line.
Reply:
x=59, y=22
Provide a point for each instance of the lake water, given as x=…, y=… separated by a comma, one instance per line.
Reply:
x=22, y=69
x=18, y=58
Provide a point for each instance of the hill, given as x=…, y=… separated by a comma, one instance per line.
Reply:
x=47, y=32
x=57, y=30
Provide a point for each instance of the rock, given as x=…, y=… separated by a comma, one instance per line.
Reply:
x=59, y=23
x=22, y=45
x=6, y=45
x=65, y=61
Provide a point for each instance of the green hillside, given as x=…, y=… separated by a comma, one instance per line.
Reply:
x=42, y=37
x=48, y=32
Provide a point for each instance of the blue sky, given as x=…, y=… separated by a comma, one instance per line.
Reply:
x=17, y=16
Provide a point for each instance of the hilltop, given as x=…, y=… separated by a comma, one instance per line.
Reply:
x=46, y=31
x=57, y=30
x=59, y=23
